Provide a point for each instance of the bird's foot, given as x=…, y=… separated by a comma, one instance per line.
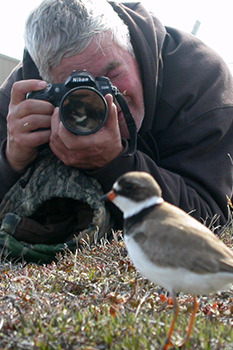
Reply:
x=168, y=344
x=183, y=342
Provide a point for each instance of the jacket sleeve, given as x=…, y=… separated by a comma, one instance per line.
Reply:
x=24, y=70
x=7, y=175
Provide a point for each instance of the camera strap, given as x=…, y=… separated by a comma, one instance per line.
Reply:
x=130, y=124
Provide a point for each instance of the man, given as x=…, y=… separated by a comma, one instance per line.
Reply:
x=179, y=91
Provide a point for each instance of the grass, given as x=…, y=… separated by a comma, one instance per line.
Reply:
x=95, y=299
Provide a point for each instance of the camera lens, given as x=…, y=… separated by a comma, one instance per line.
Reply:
x=83, y=110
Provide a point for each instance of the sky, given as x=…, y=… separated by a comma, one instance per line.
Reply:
x=216, y=28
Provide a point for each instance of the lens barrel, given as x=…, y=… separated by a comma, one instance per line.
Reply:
x=83, y=110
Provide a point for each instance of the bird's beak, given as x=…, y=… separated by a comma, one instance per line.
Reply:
x=108, y=196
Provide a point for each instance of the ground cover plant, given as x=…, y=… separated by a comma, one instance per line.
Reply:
x=95, y=299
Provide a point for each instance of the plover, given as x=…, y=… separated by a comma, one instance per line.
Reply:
x=168, y=246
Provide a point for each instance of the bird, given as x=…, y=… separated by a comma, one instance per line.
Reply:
x=168, y=246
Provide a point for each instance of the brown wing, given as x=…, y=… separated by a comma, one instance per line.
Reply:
x=179, y=240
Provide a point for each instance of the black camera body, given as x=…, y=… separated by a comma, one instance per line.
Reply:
x=83, y=108
x=54, y=93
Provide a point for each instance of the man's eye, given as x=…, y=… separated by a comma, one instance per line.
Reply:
x=112, y=75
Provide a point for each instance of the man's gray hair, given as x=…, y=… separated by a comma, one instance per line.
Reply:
x=64, y=28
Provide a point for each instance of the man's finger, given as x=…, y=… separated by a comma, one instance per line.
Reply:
x=21, y=88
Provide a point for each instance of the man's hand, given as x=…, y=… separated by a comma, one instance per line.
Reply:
x=91, y=151
x=25, y=117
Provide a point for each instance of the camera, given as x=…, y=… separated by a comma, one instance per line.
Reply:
x=82, y=106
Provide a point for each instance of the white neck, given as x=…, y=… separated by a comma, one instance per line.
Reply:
x=130, y=207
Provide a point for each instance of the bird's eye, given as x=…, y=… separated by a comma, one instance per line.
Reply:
x=129, y=187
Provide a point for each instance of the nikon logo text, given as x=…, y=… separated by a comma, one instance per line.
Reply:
x=79, y=80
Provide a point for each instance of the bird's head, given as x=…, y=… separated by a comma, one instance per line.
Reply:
x=133, y=192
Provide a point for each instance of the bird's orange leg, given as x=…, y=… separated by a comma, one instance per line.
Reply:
x=191, y=322
x=168, y=342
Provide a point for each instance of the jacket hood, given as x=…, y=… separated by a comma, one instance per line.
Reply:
x=147, y=37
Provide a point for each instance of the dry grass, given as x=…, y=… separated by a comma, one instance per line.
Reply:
x=95, y=299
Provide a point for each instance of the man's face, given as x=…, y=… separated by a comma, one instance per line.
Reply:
x=118, y=65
